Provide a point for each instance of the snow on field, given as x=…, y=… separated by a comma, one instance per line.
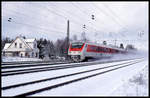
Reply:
x=102, y=85
x=18, y=59
x=16, y=79
x=35, y=86
x=137, y=85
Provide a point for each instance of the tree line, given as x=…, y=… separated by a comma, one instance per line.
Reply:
x=51, y=49
x=48, y=48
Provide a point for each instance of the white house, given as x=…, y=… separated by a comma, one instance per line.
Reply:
x=21, y=47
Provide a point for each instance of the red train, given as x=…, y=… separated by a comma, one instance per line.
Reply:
x=80, y=51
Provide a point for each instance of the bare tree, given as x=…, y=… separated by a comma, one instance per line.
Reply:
x=75, y=37
x=4, y=41
x=84, y=37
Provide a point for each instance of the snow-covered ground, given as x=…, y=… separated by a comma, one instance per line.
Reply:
x=115, y=83
x=102, y=85
x=137, y=85
x=18, y=59
x=10, y=80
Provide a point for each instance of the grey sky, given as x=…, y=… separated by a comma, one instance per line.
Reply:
x=113, y=20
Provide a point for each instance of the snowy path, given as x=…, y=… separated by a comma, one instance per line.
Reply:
x=11, y=80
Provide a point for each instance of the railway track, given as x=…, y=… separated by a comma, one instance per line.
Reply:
x=56, y=67
x=26, y=62
x=92, y=73
x=10, y=65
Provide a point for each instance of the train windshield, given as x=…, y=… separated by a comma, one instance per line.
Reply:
x=76, y=45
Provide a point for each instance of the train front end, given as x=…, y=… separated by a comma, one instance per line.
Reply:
x=76, y=51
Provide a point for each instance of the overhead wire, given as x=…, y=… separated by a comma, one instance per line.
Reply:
x=62, y=16
x=34, y=18
x=37, y=27
x=92, y=23
x=30, y=24
x=72, y=19
x=114, y=19
x=72, y=15
x=106, y=14
x=115, y=15
x=87, y=14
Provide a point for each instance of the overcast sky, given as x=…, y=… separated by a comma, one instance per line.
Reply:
x=112, y=20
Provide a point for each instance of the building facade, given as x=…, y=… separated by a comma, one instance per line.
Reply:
x=21, y=47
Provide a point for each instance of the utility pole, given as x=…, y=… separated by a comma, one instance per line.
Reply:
x=93, y=18
x=140, y=34
x=83, y=34
x=68, y=37
x=115, y=42
x=68, y=31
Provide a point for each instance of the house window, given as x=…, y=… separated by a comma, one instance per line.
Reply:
x=34, y=45
x=21, y=54
x=15, y=45
x=26, y=54
x=3, y=53
x=36, y=54
x=32, y=54
x=16, y=53
x=20, y=45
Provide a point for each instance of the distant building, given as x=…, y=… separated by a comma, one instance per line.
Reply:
x=21, y=47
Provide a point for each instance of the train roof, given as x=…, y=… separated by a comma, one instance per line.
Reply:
x=99, y=44
x=107, y=46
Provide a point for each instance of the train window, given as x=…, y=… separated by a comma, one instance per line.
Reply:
x=107, y=50
x=104, y=49
x=85, y=45
x=113, y=51
x=92, y=48
x=76, y=45
x=99, y=49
